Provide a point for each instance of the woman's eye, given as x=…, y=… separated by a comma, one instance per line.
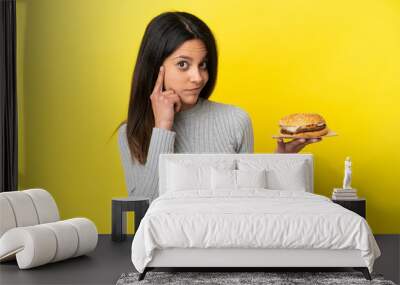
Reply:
x=183, y=64
x=204, y=65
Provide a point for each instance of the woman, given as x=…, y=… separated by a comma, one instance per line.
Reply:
x=169, y=110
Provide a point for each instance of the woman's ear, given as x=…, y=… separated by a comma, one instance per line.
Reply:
x=163, y=82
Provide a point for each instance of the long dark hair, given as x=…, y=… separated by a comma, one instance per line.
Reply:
x=163, y=35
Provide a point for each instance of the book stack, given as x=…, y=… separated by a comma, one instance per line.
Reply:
x=344, y=194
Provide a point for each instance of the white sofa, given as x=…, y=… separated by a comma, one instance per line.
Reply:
x=31, y=231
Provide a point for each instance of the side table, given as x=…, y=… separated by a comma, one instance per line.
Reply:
x=357, y=205
x=118, y=220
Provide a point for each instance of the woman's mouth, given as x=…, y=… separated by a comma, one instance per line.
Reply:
x=193, y=89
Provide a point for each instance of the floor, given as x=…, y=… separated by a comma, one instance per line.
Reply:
x=111, y=259
x=102, y=266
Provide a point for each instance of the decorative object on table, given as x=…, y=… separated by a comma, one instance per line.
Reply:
x=248, y=278
x=121, y=205
x=31, y=231
x=347, y=192
x=358, y=205
x=347, y=173
x=303, y=125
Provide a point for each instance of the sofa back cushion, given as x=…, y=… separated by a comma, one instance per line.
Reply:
x=26, y=208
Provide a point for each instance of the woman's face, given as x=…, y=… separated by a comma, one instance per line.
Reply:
x=186, y=71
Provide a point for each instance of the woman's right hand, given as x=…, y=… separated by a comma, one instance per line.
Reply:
x=164, y=103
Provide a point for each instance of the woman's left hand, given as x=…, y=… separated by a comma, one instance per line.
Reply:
x=293, y=146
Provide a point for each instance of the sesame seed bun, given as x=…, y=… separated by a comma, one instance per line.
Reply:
x=301, y=119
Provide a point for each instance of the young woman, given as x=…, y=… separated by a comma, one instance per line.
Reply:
x=169, y=110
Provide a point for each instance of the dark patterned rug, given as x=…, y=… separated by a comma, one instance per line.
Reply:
x=269, y=278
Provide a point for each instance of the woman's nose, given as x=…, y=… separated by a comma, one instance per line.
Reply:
x=196, y=76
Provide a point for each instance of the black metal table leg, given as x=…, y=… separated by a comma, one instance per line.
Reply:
x=118, y=222
x=121, y=205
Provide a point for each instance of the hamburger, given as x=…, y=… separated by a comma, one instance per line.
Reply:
x=303, y=125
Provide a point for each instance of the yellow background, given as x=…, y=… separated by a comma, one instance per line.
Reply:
x=338, y=58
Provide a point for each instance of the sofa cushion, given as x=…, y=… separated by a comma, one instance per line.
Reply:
x=26, y=208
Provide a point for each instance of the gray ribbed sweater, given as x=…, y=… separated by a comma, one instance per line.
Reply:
x=207, y=127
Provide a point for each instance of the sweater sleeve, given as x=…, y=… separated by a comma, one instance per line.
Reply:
x=142, y=179
x=244, y=132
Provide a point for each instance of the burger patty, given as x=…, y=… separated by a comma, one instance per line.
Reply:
x=302, y=130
